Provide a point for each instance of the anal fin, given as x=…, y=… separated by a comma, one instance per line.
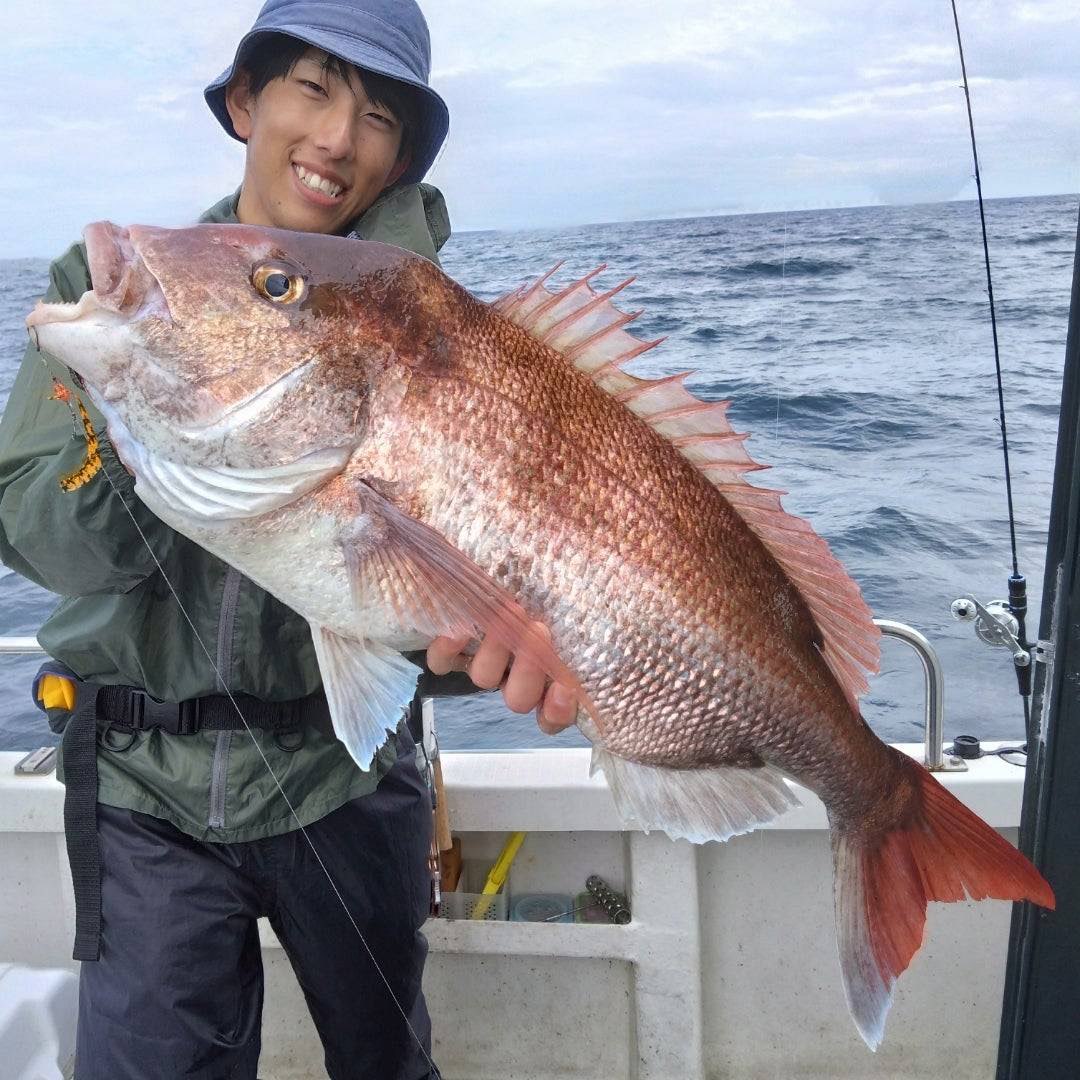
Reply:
x=695, y=804
x=368, y=685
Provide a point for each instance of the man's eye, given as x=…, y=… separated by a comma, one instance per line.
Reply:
x=312, y=86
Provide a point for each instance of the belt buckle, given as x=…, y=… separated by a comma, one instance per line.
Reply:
x=175, y=717
x=188, y=717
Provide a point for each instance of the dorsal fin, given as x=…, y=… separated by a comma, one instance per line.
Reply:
x=587, y=328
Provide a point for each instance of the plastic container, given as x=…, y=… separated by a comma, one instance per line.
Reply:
x=542, y=907
x=464, y=905
x=464, y=902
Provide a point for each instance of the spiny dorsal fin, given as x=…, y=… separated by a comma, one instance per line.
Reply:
x=587, y=328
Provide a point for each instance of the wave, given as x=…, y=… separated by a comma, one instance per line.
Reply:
x=829, y=421
x=891, y=532
x=1049, y=410
x=1039, y=238
x=852, y=241
x=713, y=333
x=809, y=407
x=798, y=266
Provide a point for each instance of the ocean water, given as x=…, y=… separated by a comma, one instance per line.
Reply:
x=855, y=346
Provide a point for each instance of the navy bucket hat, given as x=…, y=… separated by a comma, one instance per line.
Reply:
x=389, y=37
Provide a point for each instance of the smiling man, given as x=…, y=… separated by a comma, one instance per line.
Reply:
x=178, y=833
x=323, y=141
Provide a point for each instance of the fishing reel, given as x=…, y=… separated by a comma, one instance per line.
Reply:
x=995, y=624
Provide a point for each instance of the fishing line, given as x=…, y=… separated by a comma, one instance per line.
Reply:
x=270, y=769
x=783, y=281
x=989, y=291
x=1017, y=583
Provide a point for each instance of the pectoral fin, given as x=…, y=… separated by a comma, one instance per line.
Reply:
x=436, y=589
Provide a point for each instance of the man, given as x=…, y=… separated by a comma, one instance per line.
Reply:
x=179, y=834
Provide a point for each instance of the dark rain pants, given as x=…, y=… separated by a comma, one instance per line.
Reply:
x=178, y=990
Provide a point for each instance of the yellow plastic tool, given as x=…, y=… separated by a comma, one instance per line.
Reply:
x=56, y=692
x=497, y=876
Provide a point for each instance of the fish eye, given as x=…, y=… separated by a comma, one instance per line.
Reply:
x=277, y=284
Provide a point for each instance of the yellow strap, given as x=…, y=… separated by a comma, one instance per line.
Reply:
x=56, y=692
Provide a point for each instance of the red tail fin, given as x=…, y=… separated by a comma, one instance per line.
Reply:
x=941, y=852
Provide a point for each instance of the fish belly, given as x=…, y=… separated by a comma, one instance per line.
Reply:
x=296, y=554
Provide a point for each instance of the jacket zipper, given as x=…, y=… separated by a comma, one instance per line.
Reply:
x=219, y=770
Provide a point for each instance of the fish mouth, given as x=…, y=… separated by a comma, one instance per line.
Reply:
x=122, y=287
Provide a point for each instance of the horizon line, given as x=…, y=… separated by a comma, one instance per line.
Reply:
x=683, y=216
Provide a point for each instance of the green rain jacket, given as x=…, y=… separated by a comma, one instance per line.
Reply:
x=119, y=624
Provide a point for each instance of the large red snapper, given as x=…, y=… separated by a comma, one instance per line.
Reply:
x=395, y=460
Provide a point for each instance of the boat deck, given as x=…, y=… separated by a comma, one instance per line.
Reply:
x=727, y=969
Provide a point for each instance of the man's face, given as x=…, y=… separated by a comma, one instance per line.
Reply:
x=319, y=152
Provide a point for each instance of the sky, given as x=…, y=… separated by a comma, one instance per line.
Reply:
x=568, y=112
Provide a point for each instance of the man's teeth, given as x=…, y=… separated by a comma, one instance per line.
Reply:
x=316, y=182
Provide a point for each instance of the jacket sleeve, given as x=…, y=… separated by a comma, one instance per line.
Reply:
x=77, y=542
x=452, y=684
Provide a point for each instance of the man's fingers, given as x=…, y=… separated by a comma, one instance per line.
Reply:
x=442, y=653
x=488, y=666
x=524, y=686
x=558, y=711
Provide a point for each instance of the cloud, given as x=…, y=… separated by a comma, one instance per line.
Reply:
x=560, y=114
x=1049, y=11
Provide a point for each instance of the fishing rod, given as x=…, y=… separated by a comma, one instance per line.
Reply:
x=1000, y=622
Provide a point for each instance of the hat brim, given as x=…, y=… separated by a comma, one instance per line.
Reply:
x=432, y=123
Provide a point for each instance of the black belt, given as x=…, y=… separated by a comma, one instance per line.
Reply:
x=128, y=708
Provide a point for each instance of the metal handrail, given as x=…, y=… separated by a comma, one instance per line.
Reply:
x=20, y=645
x=933, y=739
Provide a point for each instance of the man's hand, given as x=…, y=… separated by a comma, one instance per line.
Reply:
x=524, y=686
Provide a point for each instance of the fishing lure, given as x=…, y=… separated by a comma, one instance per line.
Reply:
x=91, y=465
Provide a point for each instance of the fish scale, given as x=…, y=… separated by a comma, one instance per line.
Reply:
x=397, y=460
x=650, y=714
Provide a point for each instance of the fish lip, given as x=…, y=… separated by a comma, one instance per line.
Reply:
x=123, y=288
x=103, y=258
x=122, y=285
x=46, y=312
x=121, y=279
x=108, y=251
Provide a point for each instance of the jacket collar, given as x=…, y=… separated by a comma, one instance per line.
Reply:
x=412, y=216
